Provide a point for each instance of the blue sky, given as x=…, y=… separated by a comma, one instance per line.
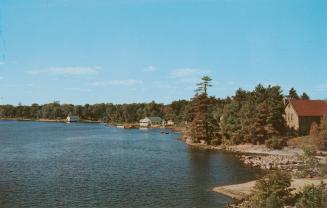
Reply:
x=92, y=51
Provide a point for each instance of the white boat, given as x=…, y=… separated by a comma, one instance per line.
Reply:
x=143, y=128
x=120, y=127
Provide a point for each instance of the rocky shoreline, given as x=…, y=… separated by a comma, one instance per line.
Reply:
x=259, y=156
x=269, y=162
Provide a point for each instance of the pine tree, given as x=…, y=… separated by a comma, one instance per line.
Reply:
x=203, y=124
x=305, y=96
x=203, y=86
x=260, y=122
x=293, y=94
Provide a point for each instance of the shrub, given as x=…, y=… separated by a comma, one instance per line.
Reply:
x=313, y=197
x=323, y=168
x=275, y=143
x=310, y=166
x=272, y=191
x=216, y=142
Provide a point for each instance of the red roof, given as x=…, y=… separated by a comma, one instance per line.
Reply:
x=309, y=107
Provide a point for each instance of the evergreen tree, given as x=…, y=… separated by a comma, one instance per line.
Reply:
x=293, y=94
x=305, y=96
x=203, y=85
x=260, y=122
x=203, y=124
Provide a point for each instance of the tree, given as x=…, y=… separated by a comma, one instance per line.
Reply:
x=293, y=94
x=203, y=86
x=203, y=124
x=305, y=96
x=260, y=122
x=230, y=123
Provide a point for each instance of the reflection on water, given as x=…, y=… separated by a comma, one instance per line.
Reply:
x=91, y=165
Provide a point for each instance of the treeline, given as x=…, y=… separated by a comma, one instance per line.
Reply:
x=105, y=112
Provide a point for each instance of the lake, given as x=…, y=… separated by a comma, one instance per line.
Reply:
x=44, y=164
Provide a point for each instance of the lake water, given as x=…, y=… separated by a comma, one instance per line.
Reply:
x=92, y=165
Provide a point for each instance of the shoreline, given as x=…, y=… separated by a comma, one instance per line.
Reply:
x=47, y=120
x=244, y=190
x=259, y=156
x=248, y=149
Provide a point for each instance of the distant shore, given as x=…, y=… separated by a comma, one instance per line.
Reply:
x=127, y=126
x=47, y=120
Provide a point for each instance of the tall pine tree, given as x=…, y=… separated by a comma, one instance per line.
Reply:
x=203, y=124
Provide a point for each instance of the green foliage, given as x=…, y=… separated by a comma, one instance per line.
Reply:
x=272, y=191
x=313, y=197
x=275, y=143
x=253, y=116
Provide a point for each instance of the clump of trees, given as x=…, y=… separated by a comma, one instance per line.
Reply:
x=249, y=116
x=253, y=116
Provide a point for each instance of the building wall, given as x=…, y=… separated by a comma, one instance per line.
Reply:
x=291, y=118
x=73, y=119
x=145, y=122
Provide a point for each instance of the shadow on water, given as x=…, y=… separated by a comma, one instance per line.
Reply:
x=212, y=168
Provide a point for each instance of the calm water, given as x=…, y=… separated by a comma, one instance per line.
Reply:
x=92, y=165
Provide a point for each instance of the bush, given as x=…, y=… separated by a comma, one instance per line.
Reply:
x=310, y=166
x=272, y=191
x=313, y=197
x=216, y=142
x=275, y=143
x=323, y=168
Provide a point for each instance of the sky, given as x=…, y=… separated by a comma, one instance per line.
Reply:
x=124, y=51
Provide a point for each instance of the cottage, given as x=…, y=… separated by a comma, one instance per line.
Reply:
x=73, y=119
x=300, y=114
x=170, y=123
x=151, y=121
